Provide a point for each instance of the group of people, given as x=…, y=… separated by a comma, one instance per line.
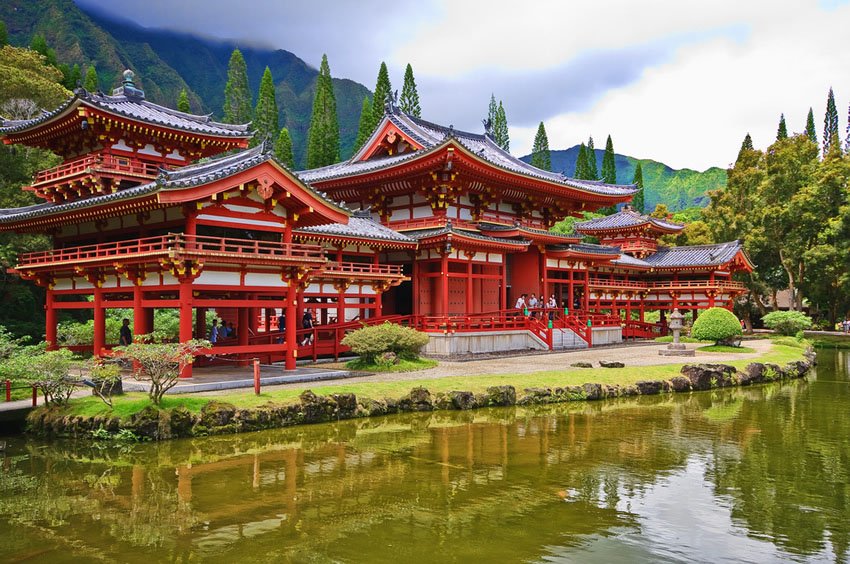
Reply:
x=224, y=331
x=533, y=302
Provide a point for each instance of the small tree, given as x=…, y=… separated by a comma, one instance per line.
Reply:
x=105, y=377
x=787, y=322
x=716, y=324
x=372, y=341
x=47, y=371
x=160, y=363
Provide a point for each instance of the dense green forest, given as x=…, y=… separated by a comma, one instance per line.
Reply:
x=677, y=189
x=166, y=63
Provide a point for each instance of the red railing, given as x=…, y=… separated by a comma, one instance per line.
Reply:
x=641, y=330
x=360, y=269
x=177, y=242
x=96, y=164
x=666, y=284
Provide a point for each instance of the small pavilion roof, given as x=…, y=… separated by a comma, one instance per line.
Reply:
x=431, y=137
x=532, y=233
x=696, y=256
x=627, y=218
x=360, y=226
x=130, y=103
x=450, y=233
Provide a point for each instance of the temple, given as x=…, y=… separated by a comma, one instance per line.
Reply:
x=425, y=225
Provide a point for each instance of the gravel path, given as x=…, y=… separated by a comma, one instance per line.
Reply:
x=630, y=355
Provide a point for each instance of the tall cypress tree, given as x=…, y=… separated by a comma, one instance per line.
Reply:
x=811, y=132
x=492, y=110
x=540, y=155
x=782, y=132
x=592, y=170
x=609, y=166
x=500, y=131
x=364, y=130
x=266, y=118
x=39, y=45
x=409, y=101
x=638, y=200
x=183, y=101
x=847, y=133
x=4, y=35
x=323, y=136
x=581, y=172
x=283, y=148
x=74, y=78
x=237, y=97
x=383, y=90
x=747, y=145
x=91, y=82
x=830, y=124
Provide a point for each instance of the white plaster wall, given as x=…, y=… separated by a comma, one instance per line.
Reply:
x=219, y=278
x=422, y=211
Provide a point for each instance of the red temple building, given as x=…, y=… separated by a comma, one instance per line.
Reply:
x=425, y=225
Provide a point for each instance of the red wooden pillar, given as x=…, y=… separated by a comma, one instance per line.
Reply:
x=379, y=302
x=469, y=292
x=50, y=320
x=586, y=289
x=139, y=320
x=642, y=309
x=504, y=295
x=571, y=299
x=291, y=344
x=444, y=282
x=545, y=278
x=415, y=284
x=99, y=323
x=185, y=306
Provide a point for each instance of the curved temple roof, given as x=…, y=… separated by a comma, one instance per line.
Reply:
x=625, y=219
x=130, y=103
x=431, y=136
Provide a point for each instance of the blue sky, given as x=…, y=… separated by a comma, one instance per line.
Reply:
x=679, y=81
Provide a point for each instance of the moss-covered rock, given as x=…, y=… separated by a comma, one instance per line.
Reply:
x=501, y=396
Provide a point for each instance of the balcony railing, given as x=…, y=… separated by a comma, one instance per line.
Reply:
x=363, y=269
x=666, y=284
x=96, y=164
x=178, y=244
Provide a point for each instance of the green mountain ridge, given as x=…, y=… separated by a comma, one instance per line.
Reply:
x=166, y=62
x=678, y=189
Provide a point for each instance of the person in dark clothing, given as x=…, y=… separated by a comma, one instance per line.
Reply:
x=307, y=323
x=281, y=326
x=125, y=336
x=231, y=330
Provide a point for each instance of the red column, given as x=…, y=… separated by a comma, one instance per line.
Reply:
x=185, y=306
x=50, y=320
x=379, y=304
x=469, y=292
x=291, y=344
x=415, y=284
x=586, y=289
x=99, y=323
x=444, y=279
x=571, y=298
x=504, y=296
x=138, y=312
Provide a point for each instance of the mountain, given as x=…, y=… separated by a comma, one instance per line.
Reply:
x=679, y=189
x=166, y=62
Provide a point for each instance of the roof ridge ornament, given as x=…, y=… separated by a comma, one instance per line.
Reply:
x=488, y=127
x=391, y=103
x=266, y=147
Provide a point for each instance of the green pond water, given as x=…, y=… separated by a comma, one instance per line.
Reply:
x=758, y=474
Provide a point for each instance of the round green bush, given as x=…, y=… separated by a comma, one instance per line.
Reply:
x=787, y=322
x=372, y=341
x=716, y=324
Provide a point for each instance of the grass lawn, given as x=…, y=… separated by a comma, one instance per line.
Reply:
x=133, y=402
x=725, y=349
x=404, y=365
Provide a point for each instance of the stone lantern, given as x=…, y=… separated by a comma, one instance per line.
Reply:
x=676, y=348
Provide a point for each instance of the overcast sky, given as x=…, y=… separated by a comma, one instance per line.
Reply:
x=678, y=81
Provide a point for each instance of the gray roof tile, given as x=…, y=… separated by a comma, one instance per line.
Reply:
x=360, y=225
x=625, y=218
x=699, y=255
x=420, y=234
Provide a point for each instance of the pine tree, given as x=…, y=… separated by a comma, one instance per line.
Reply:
x=266, y=117
x=323, y=136
x=811, y=132
x=4, y=35
x=183, y=102
x=491, y=112
x=383, y=90
x=364, y=130
x=782, y=132
x=581, y=164
x=409, y=101
x=540, y=155
x=609, y=166
x=76, y=77
x=91, y=82
x=237, y=97
x=847, y=133
x=638, y=199
x=747, y=145
x=283, y=148
x=39, y=45
x=592, y=170
x=500, y=131
x=830, y=124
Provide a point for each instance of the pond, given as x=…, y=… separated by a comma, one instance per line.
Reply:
x=756, y=474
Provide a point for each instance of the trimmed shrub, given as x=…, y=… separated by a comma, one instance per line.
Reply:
x=372, y=341
x=787, y=322
x=716, y=324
